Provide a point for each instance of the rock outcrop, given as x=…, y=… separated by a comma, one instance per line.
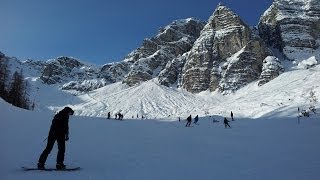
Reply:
x=293, y=27
x=84, y=86
x=212, y=63
x=115, y=72
x=171, y=74
x=66, y=69
x=152, y=57
x=244, y=67
x=271, y=69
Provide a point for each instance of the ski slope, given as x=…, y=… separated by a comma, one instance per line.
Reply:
x=285, y=93
x=264, y=148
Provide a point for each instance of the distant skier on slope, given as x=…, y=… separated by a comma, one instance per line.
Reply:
x=232, y=116
x=189, y=119
x=120, y=116
x=226, y=123
x=109, y=115
x=59, y=131
x=196, y=119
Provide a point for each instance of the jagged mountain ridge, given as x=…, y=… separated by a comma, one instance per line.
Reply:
x=225, y=54
x=172, y=41
x=293, y=27
x=228, y=54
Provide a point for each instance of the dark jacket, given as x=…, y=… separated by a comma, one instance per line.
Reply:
x=196, y=119
x=60, y=123
x=189, y=119
x=225, y=121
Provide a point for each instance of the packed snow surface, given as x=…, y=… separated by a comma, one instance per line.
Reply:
x=265, y=148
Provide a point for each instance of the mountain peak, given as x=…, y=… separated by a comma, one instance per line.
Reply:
x=221, y=6
x=292, y=26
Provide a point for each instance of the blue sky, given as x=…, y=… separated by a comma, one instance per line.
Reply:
x=99, y=31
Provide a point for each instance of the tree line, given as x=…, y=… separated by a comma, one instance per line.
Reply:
x=13, y=88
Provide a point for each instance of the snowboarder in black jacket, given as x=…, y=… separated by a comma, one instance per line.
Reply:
x=59, y=131
x=189, y=119
x=226, y=123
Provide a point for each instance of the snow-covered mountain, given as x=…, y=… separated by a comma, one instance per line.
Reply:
x=293, y=27
x=292, y=89
x=189, y=64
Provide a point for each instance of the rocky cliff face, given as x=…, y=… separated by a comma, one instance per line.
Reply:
x=244, y=67
x=171, y=74
x=115, y=72
x=173, y=40
x=66, y=69
x=229, y=54
x=293, y=27
x=212, y=63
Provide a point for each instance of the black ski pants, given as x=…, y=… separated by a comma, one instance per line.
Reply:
x=226, y=125
x=61, y=149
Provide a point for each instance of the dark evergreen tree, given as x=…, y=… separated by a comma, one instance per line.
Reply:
x=4, y=76
x=17, y=92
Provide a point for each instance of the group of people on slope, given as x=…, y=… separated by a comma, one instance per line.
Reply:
x=196, y=119
x=116, y=116
x=189, y=120
x=120, y=116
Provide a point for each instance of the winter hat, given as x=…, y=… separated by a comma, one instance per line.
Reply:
x=68, y=109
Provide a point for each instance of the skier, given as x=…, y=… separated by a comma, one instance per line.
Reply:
x=109, y=115
x=120, y=116
x=226, y=123
x=59, y=131
x=196, y=119
x=189, y=119
x=232, y=116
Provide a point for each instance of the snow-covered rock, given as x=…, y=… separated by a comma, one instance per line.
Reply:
x=171, y=74
x=114, y=72
x=271, y=69
x=293, y=27
x=66, y=69
x=244, y=67
x=308, y=63
x=208, y=64
x=85, y=86
x=173, y=40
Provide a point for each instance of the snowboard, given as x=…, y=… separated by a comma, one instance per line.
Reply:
x=50, y=169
